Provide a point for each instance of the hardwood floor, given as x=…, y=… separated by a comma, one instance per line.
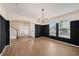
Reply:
x=42, y=46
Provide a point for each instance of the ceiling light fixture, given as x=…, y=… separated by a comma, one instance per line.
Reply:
x=42, y=19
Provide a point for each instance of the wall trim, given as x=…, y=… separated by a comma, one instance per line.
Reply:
x=65, y=42
x=4, y=49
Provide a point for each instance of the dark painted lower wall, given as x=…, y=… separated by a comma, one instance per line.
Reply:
x=38, y=30
x=75, y=31
x=43, y=30
x=65, y=40
x=7, y=33
x=4, y=33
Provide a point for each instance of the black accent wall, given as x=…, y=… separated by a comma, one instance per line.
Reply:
x=57, y=30
x=4, y=33
x=75, y=32
x=7, y=33
x=45, y=30
x=38, y=30
x=41, y=30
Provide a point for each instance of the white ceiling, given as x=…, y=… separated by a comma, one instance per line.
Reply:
x=30, y=11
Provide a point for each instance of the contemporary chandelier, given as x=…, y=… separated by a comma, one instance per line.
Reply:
x=42, y=19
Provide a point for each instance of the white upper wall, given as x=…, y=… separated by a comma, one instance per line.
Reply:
x=19, y=26
x=69, y=16
x=2, y=11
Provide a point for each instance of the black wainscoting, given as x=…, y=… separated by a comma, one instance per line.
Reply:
x=7, y=33
x=64, y=39
x=45, y=30
x=41, y=30
x=38, y=31
x=53, y=37
x=75, y=32
x=0, y=34
x=57, y=30
x=4, y=30
x=61, y=39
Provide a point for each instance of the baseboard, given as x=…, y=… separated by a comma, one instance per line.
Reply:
x=65, y=43
x=4, y=49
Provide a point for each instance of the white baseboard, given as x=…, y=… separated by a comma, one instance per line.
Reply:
x=65, y=43
x=4, y=49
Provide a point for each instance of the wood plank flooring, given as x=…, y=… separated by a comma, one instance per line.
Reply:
x=42, y=46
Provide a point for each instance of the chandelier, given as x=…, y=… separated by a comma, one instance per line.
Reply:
x=42, y=19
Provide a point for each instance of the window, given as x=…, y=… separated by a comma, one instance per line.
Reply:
x=52, y=29
x=64, y=28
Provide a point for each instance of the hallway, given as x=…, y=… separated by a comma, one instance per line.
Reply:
x=26, y=46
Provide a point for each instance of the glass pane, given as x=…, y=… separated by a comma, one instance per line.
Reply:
x=64, y=28
x=52, y=29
